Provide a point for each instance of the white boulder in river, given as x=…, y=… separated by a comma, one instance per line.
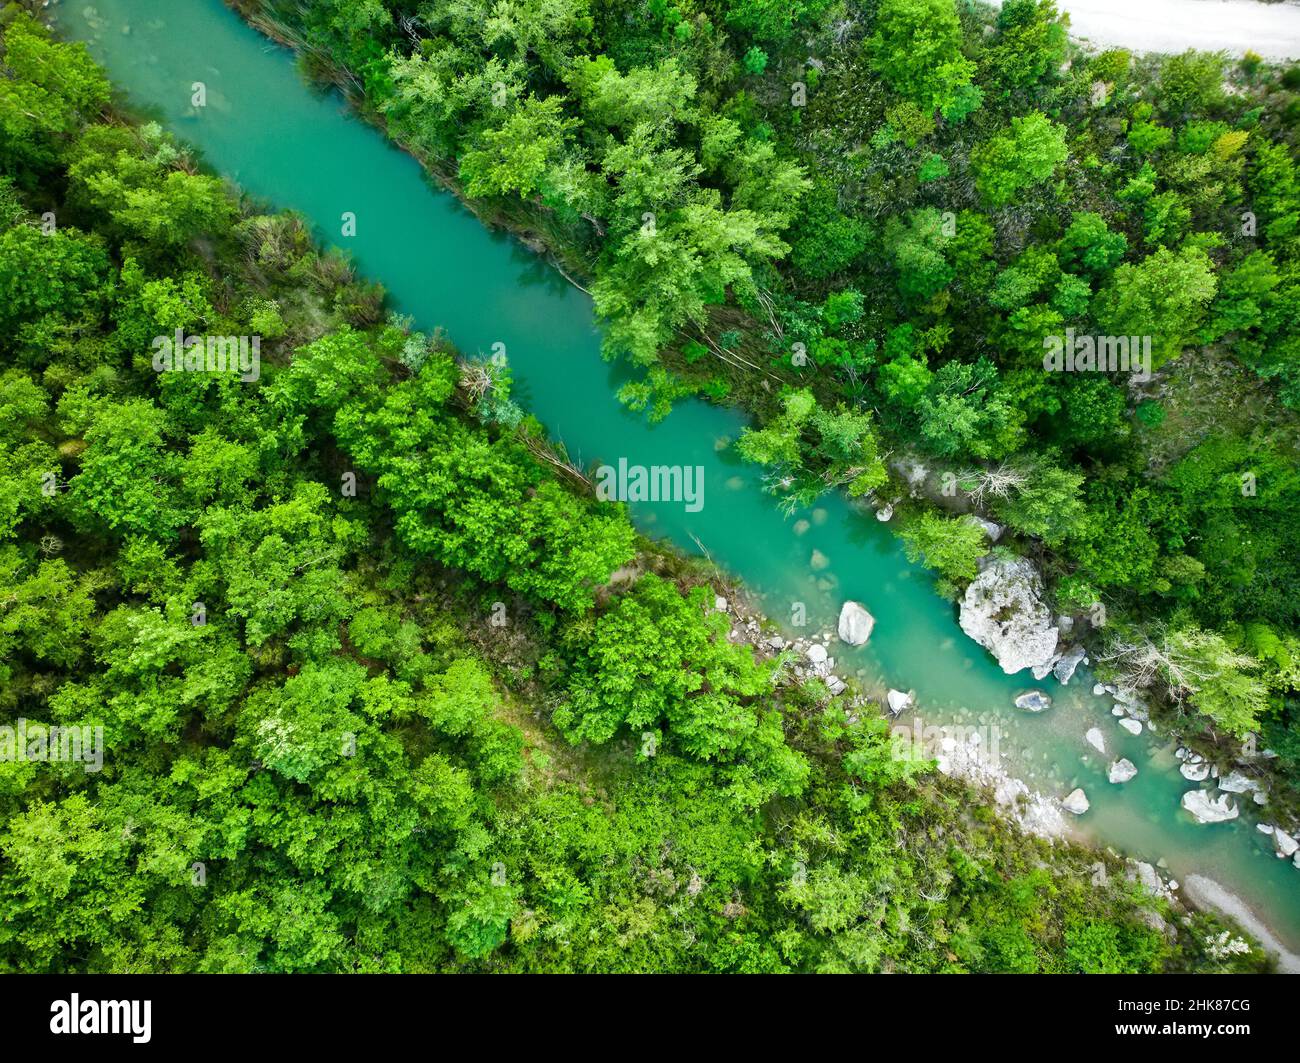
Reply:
x=1076, y=801
x=1003, y=611
x=1122, y=770
x=1207, y=809
x=898, y=701
x=1133, y=727
x=1034, y=701
x=855, y=624
x=1095, y=739
x=817, y=653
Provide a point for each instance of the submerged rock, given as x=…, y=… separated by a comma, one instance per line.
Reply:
x=1076, y=801
x=1096, y=739
x=855, y=624
x=819, y=561
x=1034, y=701
x=1122, y=770
x=1003, y=611
x=1207, y=809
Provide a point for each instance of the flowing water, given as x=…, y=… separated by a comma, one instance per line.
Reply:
x=264, y=129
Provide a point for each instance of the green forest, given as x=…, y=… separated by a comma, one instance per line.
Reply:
x=387, y=690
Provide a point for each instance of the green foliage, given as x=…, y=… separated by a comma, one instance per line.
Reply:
x=949, y=545
x=657, y=660
x=1027, y=155
x=1165, y=296
x=916, y=48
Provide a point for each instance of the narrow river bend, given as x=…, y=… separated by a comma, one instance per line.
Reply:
x=267, y=131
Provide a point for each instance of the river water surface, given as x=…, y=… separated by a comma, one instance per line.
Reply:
x=265, y=130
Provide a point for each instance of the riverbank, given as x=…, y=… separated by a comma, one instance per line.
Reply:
x=1209, y=894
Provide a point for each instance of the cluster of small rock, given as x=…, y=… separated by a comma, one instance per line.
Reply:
x=813, y=659
x=968, y=760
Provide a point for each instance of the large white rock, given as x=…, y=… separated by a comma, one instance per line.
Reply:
x=1285, y=844
x=1070, y=660
x=1236, y=783
x=855, y=624
x=1122, y=770
x=1207, y=809
x=898, y=701
x=1195, y=768
x=1003, y=611
x=1133, y=727
x=1096, y=739
x=1076, y=801
x=817, y=653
